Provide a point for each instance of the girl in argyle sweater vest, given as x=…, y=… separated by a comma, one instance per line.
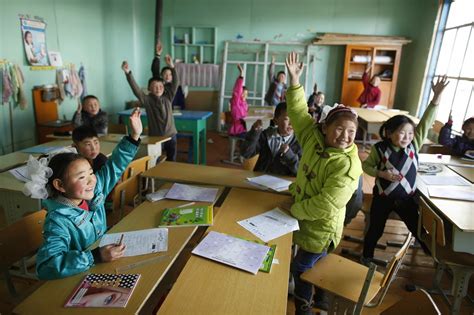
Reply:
x=394, y=163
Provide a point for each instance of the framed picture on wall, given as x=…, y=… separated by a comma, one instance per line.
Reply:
x=34, y=40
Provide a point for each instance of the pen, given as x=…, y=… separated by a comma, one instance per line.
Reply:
x=186, y=204
x=121, y=240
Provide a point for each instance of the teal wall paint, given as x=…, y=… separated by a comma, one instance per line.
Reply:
x=103, y=33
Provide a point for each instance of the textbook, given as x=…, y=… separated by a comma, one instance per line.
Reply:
x=268, y=261
x=104, y=290
x=270, y=182
x=191, y=215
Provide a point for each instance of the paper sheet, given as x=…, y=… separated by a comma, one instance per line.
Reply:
x=21, y=173
x=444, y=180
x=452, y=193
x=192, y=193
x=139, y=242
x=272, y=182
x=157, y=195
x=270, y=225
x=232, y=251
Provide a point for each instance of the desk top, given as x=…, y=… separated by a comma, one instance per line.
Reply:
x=203, y=174
x=378, y=116
x=180, y=115
x=51, y=296
x=205, y=286
x=115, y=137
x=459, y=213
x=466, y=172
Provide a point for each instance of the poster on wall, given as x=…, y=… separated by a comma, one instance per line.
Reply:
x=34, y=40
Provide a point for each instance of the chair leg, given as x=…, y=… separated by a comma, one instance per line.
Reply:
x=9, y=283
x=461, y=276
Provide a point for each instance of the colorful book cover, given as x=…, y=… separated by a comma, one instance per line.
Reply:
x=268, y=261
x=104, y=290
x=187, y=216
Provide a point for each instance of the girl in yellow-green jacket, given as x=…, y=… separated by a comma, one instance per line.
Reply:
x=327, y=177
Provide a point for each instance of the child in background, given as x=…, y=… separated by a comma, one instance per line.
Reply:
x=327, y=177
x=89, y=114
x=158, y=105
x=277, y=89
x=167, y=75
x=278, y=149
x=87, y=143
x=371, y=94
x=394, y=164
x=238, y=106
x=75, y=204
x=316, y=103
x=459, y=145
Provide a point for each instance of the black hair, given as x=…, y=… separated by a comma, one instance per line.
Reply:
x=393, y=124
x=164, y=69
x=155, y=79
x=82, y=132
x=244, y=88
x=280, y=108
x=341, y=112
x=89, y=97
x=467, y=122
x=26, y=33
x=59, y=165
x=280, y=72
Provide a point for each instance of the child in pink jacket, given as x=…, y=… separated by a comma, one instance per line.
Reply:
x=238, y=106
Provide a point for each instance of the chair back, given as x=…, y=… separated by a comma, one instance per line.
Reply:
x=430, y=227
x=418, y=302
x=249, y=164
x=136, y=166
x=21, y=239
x=124, y=196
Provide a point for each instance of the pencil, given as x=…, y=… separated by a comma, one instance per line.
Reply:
x=186, y=205
x=121, y=240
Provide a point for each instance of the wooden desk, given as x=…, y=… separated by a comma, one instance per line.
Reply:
x=445, y=160
x=203, y=174
x=51, y=296
x=188, y=121
x=208, y=287
x=458, y=213
x=466, y=172
x=264, y=113
x=149, y=145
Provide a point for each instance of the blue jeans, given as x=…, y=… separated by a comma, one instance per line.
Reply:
x=304, y=261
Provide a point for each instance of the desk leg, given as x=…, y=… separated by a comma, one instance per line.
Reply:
x=204, y=142
x=196, y=143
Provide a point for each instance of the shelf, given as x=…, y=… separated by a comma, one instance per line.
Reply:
x=188, y=42
x=384, y=64
x=358, y=63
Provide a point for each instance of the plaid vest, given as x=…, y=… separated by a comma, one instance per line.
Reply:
x=403, y=162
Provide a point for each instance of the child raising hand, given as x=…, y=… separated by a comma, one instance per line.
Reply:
x=74, y=198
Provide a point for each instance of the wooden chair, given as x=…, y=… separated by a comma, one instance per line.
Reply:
x=124, y=199
x=418, y=302
x=431, y=231
x=234, y=158
x=19, y=240
x=352, y=286
x=136, y=166
x=249, y=164
x=117, y=128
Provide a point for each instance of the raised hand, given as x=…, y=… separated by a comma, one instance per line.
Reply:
x=169, y=61
x=125, y=67
x=240, y=69
x=257, y=125
x=158, y=49
x=136, y=124
x=273, y=59
x=438, y=88
x=295, y=68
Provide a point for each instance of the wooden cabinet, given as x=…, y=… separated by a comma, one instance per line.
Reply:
x=385, y=62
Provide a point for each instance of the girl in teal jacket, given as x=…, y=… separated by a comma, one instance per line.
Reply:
x=327, y=177
x=76, y=214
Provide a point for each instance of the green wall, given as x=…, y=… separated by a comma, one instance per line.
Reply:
x=102, y=33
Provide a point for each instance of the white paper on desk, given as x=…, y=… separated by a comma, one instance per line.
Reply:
x=457, y=193
x=270, y=225
x=434, y=158
x=192, y=193
x=139, y=242
x=21, y=173
x=157, y=195
x=232, y=251
x=444, y=180
x=272, y=182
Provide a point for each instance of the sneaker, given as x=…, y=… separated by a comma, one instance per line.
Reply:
x=291, y=285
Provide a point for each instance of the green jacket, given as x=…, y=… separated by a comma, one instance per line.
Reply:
x=326, y=179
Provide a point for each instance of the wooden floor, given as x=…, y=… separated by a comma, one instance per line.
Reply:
x=418, y=268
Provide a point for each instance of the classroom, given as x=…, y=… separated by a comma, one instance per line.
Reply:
x=222, y=157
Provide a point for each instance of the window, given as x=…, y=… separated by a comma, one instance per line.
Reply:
x=456, y=60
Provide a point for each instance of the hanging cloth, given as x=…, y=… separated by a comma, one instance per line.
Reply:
x=7, y=86
x=82, y=78
x=22, y=100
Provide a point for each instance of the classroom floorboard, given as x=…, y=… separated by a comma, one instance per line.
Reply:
x=417, y=269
